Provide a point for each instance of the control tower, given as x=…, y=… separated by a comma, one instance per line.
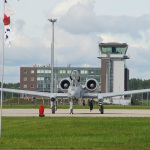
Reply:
x=114, y=73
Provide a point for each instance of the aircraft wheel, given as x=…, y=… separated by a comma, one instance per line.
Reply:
x=71, y=111
x=101, y=109
x=53, y=109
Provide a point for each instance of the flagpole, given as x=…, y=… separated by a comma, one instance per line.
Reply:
x=2, y=74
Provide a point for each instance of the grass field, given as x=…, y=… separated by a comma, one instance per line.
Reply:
x=75, y=107
x=75, y=133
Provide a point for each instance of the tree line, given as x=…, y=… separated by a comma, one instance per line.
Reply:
x=137, y=84
x=10, y=86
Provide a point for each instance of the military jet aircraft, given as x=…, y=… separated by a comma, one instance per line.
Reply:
x=73, y=90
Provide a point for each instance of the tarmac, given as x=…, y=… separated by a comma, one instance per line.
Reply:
x=77, y=113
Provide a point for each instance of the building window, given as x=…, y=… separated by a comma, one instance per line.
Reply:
x=91, y=72
x=62, y=71
x=25, y=86
x=42, y=78
x=38, y=71
x=32, y=78
x=24, y=78
x=25, y=71
x=47, y=71
x=38, y=85
x=69, y=71
x=32, y=71
x=38, y=78
x=47, y=78
x=32, y=85
x=84, y=71
x=42, y=71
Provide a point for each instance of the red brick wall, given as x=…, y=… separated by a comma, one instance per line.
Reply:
x=28, y=75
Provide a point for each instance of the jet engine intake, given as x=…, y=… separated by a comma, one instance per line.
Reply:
x=64, y=84
x=91, y=85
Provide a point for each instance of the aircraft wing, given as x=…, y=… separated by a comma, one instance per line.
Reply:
x=35, y=93
x=113, y=94
x=85, y=95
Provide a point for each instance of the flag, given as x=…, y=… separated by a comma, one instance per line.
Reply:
x=8, y=10
x=7, y=13
x=6, y=20
x=9, y=35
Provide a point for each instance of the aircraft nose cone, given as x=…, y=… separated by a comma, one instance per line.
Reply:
x=72, y=94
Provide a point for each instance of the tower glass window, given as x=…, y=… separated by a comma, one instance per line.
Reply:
x=113, y=48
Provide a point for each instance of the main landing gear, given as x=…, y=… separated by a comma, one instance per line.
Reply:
x=91, y=105
x=101, y=108
x=53, y=105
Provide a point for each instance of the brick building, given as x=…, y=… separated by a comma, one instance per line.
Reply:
x=37, y=78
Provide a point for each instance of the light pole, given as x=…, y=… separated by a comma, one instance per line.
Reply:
x=52, y=55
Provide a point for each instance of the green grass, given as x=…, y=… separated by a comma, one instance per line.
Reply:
x=23, y=106
x=75, y=133
x=16, y=106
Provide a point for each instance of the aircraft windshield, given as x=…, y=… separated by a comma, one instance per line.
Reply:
x=74, y=74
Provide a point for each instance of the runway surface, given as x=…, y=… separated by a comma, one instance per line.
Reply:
x=77, y=113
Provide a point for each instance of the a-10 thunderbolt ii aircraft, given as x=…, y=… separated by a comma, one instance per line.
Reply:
x=73, y=90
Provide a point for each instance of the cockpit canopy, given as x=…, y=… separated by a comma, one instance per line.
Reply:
x=75, y=78
x=75, y=75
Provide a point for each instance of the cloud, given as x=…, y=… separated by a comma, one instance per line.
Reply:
x=86, y=21
x=11, y=74
x=20, y=24
x=74, y=49
x=63, y=7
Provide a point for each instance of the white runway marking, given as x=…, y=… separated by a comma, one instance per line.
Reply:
x=77, y=113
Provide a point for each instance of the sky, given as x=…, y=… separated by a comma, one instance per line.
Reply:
x=81, y=26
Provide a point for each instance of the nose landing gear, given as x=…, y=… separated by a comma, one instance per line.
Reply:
x=71, y=106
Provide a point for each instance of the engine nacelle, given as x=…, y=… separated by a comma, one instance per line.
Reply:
x=64, y=84
x=91, y=85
